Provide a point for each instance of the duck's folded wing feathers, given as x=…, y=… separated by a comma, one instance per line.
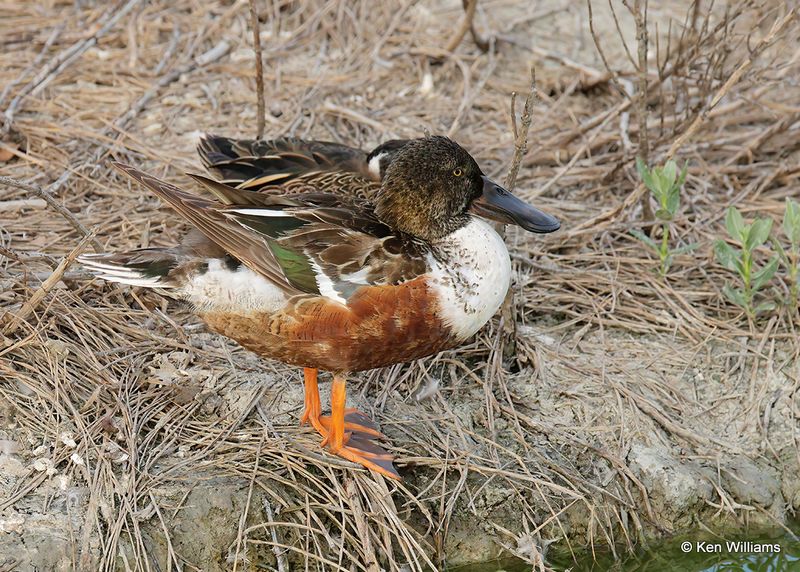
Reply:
x=337, y=249
x=203, y=214
x=307, y=243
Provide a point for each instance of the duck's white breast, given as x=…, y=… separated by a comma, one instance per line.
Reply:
x=470, y=274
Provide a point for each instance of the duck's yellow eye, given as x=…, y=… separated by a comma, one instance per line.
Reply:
x=458, y=172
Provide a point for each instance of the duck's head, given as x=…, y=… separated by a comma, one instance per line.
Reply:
x=433, y=186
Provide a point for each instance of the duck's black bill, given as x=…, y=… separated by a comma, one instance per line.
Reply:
x=498, y=204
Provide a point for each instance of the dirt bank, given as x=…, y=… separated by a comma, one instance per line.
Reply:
x=614, y=437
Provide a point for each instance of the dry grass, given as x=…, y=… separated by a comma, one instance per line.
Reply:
x=120, y=394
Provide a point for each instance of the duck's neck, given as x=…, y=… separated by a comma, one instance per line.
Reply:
x=418, y=214
x=471, y=273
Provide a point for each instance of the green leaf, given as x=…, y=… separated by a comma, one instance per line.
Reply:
x=686, y=248
x=641, y=167
x=666, y=264
x=765, y=274
x=746, y=233
x=778, y=247
x=791, y=221
x=726, y=255
x=662, y=183
x=663, y=214
x=646, y=239
x=668, y=174
x=734, y=295
x=759, y=233
x=764, y=307
x=734, y=223
x=646, y=176
x=673, y=200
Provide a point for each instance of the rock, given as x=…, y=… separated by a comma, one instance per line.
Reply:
x=676, y=488
x=750, y=483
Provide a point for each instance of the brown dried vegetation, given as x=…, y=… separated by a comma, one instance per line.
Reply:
x=149, y=444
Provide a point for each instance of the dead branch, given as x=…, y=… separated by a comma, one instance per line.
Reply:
x=639, y=12
x=119, y=125
x=701, y=118
x=259, y=70
x=509, y=333
x=599, y=45
x=521, y=136
x=766, y=41
x=30, y=304
x=467, y=23
x=55, y=205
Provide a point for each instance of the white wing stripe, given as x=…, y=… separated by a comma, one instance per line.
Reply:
x=260, y=212
x=109, y=268
x=325, y=284
x=133, y=281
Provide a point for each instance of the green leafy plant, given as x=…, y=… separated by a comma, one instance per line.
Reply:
x=664, y=183
x=750, y=237
x=790, y=259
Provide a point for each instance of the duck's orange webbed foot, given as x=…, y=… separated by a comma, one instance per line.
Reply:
x=355, y=423
x=369, y=454
x=347, y=433
x=356, y=446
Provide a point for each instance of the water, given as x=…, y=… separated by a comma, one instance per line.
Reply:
x=670, y=556
x=714, y=556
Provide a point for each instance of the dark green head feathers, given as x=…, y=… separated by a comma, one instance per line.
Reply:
x=428, y=187
x=432, y=187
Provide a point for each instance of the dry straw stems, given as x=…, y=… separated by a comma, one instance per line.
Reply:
x=176, y=449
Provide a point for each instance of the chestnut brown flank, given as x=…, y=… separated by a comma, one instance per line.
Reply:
x=381, y=325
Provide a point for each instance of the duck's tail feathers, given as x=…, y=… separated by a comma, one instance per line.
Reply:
x=148, y=267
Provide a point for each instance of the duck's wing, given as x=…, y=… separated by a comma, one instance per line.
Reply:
x=313, y=243
x=253, y=164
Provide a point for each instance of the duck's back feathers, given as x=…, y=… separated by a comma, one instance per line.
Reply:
x=254, y=164
x=311, y=244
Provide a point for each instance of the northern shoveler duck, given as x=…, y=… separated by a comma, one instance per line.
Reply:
x=334, y=282
x=255, y=164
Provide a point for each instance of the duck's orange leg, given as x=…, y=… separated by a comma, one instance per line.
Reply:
x=355, y=447
x=354, y=420
x=313, y=408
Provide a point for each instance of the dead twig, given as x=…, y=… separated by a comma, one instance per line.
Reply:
x=259, y=69
x=509, y=334
x=30, y=305
x=599, y=45
x=58, y=207
x=280, y=555
x=766, y=41
x=51, y=39
x=483, y=45
x=467, y=24
x=22, y=204
x=63, y=61
x=701, y=118
x=211, y=56
x=639, y=12
x=521, y=136
x=119, y=125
